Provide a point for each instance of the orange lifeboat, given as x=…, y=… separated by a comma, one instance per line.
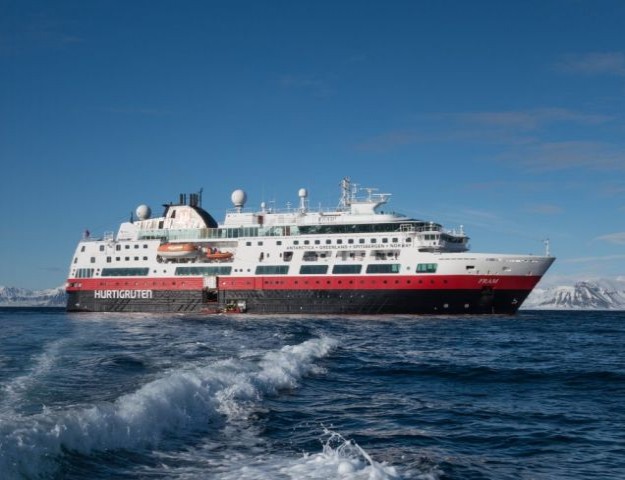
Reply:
x=177, y=250
x=212, y=254
x=219, y=256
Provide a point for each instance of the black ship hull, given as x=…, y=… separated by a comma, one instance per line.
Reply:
x=323, y=302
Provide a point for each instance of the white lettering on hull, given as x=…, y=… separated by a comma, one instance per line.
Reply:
x=131, y=294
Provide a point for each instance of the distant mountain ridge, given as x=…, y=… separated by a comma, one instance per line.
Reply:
x=24, y=297
x=603, y=294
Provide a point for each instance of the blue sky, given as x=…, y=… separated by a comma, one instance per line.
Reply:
x=505, y=117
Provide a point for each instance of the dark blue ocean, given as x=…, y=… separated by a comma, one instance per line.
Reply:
x=539, y=395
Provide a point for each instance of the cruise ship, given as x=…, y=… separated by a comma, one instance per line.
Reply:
x=352, y=259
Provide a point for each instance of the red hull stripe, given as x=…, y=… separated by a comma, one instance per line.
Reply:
x=381, y=282
x=135, y=283
x=315, y=282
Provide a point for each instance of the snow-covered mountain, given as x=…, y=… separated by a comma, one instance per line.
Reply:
x=23, y=297
x=604, y=294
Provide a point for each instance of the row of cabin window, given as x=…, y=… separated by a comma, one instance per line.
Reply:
x=306, y=269
x=260, y=270
x=126, y=259
x=323, y=269
x=339, y=241
x=117, y=247
x=117, y=259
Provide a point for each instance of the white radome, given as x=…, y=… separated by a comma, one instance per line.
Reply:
x=143, y=212
x=238, y=197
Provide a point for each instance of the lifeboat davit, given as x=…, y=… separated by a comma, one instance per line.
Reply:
x=177, y=250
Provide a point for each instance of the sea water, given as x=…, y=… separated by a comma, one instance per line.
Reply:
x=539, y=395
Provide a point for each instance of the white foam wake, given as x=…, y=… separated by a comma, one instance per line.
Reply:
x=339, y=459
x=183, y=399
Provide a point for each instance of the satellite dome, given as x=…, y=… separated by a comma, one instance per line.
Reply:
x=143, y=212
x=238, y=198
x=303, y=193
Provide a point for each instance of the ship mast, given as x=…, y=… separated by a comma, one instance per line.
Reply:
x=346, y=194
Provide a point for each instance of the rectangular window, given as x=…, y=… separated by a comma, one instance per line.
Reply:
x=272, y=269
x=101, y=248
x=203, y=270
x=383, y=268
x=118, y=247
x=345, y=269
x=125, y=272
x=350, y=241
x=310, y=256
x=84, y=273
x=108, y=259
x=313, y=269
x=427, y=267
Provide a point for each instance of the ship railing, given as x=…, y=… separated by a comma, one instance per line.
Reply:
x=194, y=234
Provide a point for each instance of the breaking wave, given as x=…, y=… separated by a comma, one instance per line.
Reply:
x=186, y=399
